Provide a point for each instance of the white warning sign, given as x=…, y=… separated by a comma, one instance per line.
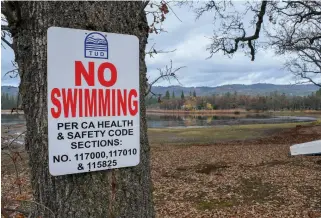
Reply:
x=93, y=100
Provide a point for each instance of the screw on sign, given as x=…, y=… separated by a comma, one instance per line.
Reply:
x=93, y=119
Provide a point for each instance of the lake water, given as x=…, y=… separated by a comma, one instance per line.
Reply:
x=163, y=121
x=160, y=120
x=13, y=119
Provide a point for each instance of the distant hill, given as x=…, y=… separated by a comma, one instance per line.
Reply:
x=254, y=89
x=11, y=90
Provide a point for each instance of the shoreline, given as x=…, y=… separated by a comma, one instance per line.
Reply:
x=207, y=112
x=228, y=111
x=9, y=112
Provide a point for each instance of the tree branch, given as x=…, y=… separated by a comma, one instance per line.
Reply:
x=228, y=44
x=253, y=37
x=166, y=74
x=172, y=11
x=153, y=51
x=5, y=27
x=7, y=42
x=309, y=79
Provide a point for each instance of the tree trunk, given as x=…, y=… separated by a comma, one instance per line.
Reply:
x=122, y=192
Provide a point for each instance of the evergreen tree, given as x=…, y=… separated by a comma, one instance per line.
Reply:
x=194, y=93
x=318, y=93
x=182, y=96
x=190, y=93
x=167, y=95
x=8, y=101
x=173, y=95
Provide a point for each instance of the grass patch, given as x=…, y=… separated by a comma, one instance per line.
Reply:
x=254, y=190
x=250, y=191
x=215, y=134
x=273, y=125
x=214, y=204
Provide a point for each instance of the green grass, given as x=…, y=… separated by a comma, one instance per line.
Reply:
x=215, y=134
x=316, y=114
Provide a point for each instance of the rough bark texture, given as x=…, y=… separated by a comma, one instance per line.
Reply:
x=123, y=192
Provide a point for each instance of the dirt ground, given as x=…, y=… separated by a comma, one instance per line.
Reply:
x=254, y=178
x=246, y=178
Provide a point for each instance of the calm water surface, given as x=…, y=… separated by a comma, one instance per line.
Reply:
x=162, y=120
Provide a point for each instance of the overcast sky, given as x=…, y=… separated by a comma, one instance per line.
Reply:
x=190, y=39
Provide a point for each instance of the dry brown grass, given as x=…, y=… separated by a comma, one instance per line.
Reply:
x=253, y=179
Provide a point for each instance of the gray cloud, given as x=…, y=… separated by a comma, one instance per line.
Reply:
x=191, y=38
x=7, y=56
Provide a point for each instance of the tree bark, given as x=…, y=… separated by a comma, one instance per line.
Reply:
x=122, y=192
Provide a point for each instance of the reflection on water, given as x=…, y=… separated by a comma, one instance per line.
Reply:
x=162, y=120
x=165, y=120
x=13, y=119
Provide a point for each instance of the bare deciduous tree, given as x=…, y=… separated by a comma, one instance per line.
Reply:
x=290, y=28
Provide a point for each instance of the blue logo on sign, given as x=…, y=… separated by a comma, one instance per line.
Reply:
x=96, y=46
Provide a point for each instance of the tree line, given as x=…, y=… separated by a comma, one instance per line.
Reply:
x=273, y=101
x=9, y=101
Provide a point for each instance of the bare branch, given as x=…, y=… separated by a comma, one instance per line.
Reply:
x=7, y=42
x=153, y=51
x=221, y=44
x=302, y=75
x=14, y=71
x=5, y=27
x=294, y=28
x=166, y=74
x=218, y=6
x=9, y=145
x=172, y=11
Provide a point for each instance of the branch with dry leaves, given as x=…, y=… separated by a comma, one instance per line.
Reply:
x=158, y=13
